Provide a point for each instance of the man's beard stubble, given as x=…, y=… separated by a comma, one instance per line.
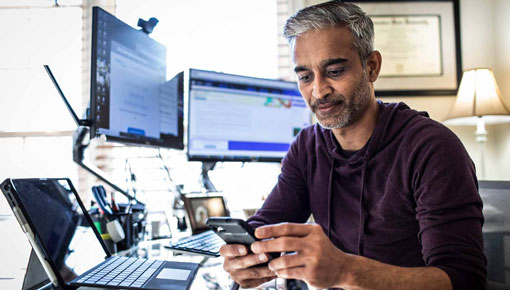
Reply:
x=350, y=111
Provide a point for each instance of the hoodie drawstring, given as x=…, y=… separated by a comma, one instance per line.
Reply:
x=362, y=212
x=330, y=194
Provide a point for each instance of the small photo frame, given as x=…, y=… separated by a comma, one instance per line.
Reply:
x=200, y=207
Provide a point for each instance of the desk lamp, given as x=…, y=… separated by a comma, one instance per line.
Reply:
x=478, y=103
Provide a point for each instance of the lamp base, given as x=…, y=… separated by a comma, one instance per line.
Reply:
x=481, y=138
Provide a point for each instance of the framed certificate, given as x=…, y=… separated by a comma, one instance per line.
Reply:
x=420, y=46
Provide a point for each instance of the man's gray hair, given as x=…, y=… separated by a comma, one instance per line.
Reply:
x=334, y=14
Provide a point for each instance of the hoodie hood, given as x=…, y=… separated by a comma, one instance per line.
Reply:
x=391, y=121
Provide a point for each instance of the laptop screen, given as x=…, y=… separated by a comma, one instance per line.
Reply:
x=57, y=219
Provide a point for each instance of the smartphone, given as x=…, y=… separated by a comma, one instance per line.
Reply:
x=235, y=231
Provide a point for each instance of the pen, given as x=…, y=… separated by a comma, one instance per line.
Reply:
x=115, y=207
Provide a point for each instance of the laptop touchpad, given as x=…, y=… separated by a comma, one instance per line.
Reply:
x=173, y=274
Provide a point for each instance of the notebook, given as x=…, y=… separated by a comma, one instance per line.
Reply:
x=203, y=241
x=69, y=247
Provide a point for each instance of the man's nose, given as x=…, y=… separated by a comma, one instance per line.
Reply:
x=321, y=88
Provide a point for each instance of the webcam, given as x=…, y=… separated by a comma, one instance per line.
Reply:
x=148, y=25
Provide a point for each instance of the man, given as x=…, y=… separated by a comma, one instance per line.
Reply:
x=394, y=193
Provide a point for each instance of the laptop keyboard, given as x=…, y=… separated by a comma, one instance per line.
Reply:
x=122, y=271
x=206, y=243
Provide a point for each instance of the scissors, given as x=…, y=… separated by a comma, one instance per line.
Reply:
x=100, y=196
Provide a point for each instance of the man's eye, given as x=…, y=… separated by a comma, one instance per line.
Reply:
x=335, y=72
x=303, y=78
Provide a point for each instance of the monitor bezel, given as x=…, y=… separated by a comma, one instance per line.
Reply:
x=171, y=142
x=223, y=158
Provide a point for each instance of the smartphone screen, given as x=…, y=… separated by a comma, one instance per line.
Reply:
x=232, y=230
x=235, y=231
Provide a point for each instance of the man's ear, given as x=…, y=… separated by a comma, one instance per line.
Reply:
x=373, y=67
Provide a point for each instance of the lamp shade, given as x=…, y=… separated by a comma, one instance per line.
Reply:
x=478, y=96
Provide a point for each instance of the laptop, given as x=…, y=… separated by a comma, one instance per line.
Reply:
x=69, y=247
x=203, y=241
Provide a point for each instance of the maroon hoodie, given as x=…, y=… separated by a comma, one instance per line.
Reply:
x=409, y=197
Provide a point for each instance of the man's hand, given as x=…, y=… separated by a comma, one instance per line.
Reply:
x=243, y=268
x=315, y=259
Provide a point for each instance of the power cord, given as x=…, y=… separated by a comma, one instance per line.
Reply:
x=235, y=286
x=212, y=282
x=165, y=167
x=177, y=190
x=130, y=178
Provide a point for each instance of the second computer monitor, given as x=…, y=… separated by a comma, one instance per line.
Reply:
x=239, y=118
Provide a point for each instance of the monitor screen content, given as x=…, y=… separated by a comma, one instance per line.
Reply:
x=239, y=118
x=131, y=101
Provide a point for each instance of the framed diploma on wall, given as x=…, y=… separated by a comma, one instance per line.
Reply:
x=420, y=46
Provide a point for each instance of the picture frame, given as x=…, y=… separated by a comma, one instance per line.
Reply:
x=420, y=46
x=199, y=207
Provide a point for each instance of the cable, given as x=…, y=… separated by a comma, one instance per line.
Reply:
x=130, y=178
x=234, y=286
x=177, y=190
x=165, y=167
x=212, y=282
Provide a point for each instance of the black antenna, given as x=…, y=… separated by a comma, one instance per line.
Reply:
x=79, y=122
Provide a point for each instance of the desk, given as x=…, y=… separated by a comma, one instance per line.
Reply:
x=14, y=250
x=210, y=275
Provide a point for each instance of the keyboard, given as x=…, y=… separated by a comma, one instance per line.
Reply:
x=121, y=271
x=206, y=244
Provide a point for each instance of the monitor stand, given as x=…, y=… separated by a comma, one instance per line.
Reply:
x=79, y=144
x=206, y=181
x=35, y=276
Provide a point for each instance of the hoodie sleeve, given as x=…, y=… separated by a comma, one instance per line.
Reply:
x=288, y=201
x=448, y=207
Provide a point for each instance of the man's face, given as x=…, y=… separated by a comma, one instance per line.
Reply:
x=331, y=78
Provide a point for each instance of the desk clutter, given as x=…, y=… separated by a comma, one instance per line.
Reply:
x=121, y=226
x=150, y=112
x=70, y=232
x=70, y=249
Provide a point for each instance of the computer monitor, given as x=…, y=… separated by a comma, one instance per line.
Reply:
x=131, y=100
x=240, y=118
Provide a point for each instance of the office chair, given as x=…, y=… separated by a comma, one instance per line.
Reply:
x=496, y=286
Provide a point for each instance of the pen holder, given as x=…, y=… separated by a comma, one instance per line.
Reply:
x=110, y=245
x=126, y=220
x=100, y=223
x=133, y=224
